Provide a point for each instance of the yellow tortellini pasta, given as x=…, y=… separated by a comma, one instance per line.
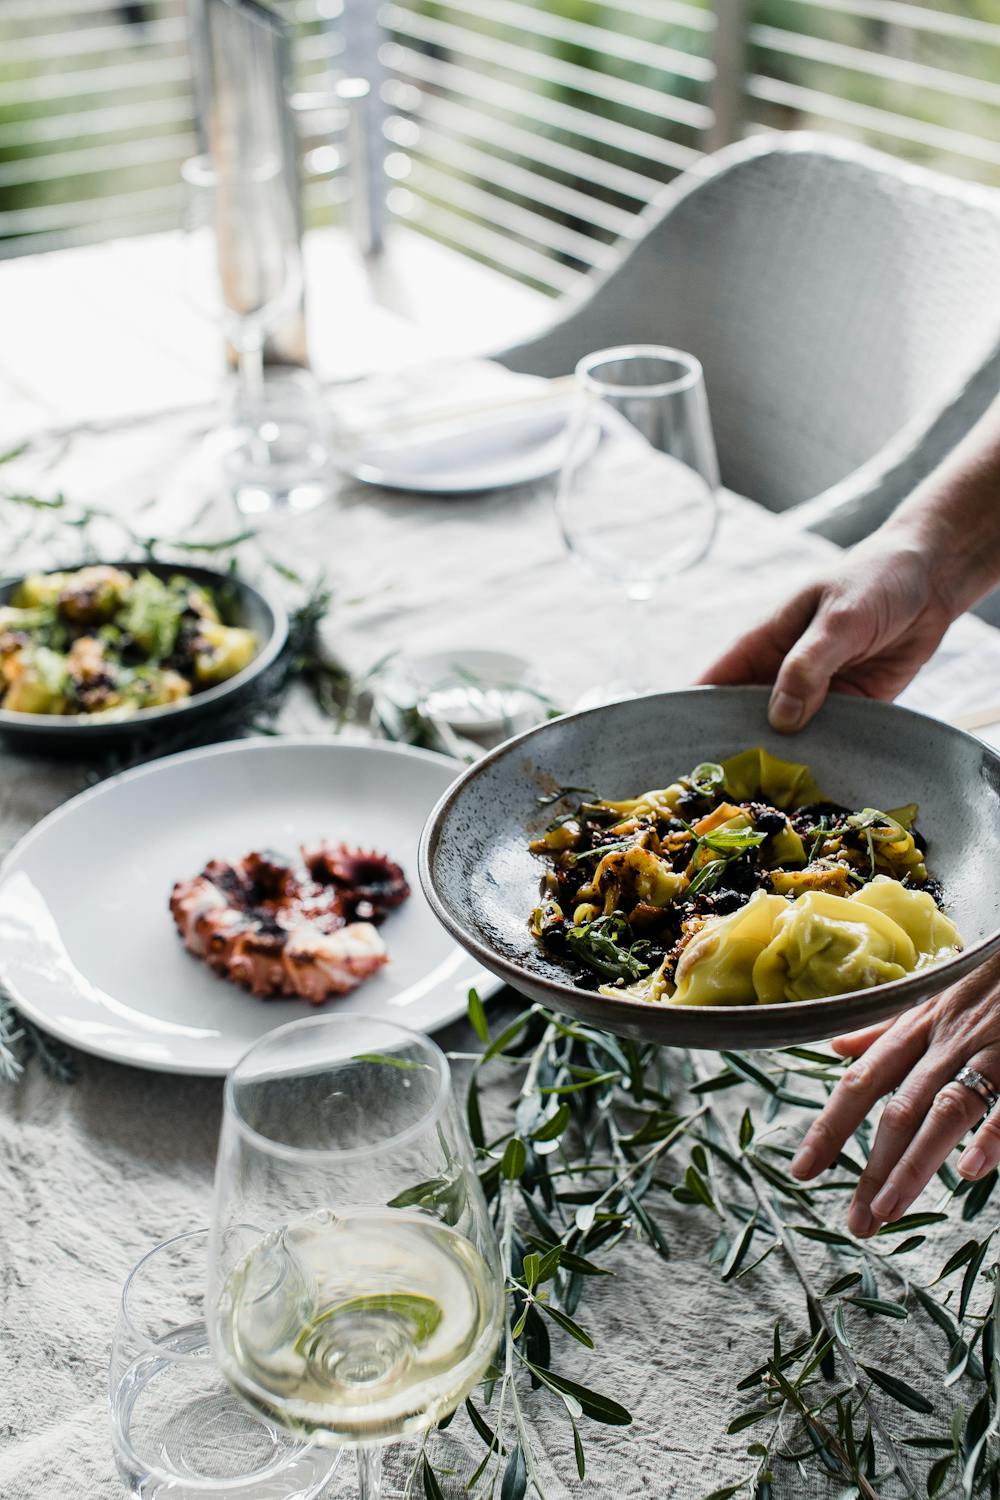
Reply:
x=829, y=945
x=932, y=933
x=716, y=967
x=784, y=849
x=821, y=875
x=629, y=877
x=816, y=946
x=655, y=987
x=782, y=783
x=662, y=802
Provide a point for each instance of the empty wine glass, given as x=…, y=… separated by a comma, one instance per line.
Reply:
x=177, y=1429
x=248, y=294
x=276, y=453
x=636, y=499
x=367, y=1300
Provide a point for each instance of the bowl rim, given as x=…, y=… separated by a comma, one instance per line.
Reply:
x=73, y=724
x=514, y=974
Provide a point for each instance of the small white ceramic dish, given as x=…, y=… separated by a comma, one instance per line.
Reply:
x=466, y=457
x=474, y=690
x=88, y=949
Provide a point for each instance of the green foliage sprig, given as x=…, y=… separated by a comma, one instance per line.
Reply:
x=604, y=1134
x=21, y=1040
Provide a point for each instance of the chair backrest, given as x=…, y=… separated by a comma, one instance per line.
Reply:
x=836, y=297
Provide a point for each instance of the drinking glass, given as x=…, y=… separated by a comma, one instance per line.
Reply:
x=367, y=1300
x=276, y=453
x=248, y=293
x=636, y=498
x=177, y=1429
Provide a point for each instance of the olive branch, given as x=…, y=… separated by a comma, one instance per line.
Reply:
x=597, y=1147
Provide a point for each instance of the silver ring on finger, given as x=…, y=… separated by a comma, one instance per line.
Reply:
x=971, y=1078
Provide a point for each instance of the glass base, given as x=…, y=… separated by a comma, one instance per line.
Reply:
x=277, y=453
x=254, y=498
x=179, y=1431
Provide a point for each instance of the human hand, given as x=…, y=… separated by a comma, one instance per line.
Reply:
x=864, y=627
x=917, y=1055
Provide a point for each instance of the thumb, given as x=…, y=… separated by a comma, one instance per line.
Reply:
x=803, y=679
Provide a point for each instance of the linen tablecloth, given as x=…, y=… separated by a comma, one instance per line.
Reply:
x=93, y=1174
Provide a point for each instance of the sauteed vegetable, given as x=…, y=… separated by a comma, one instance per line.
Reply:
x=100, y=641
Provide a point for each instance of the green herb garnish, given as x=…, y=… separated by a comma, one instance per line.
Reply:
x=738, y=839
x=563, y=791
x=820, y=831
x=608, y=947
x=707, y=878
x=707, y=778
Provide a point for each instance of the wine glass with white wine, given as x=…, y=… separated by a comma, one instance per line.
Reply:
x=367, y=1300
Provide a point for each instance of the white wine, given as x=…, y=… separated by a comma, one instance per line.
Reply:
x=373, y=1323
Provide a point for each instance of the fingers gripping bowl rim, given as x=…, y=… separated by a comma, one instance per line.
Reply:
x=481, y=879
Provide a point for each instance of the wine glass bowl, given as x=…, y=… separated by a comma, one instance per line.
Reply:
x=367, y=1301
x=636, y=498
x=276, y=453
x=249, y=294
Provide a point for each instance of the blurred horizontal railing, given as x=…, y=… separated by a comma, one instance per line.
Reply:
x=97, y=114
x=619, y=110
x=529, y=134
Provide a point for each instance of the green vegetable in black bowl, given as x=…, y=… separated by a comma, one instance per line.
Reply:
x=111, y=649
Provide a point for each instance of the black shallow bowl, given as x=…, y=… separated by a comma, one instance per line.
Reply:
x=252, y=607
x=482, y=881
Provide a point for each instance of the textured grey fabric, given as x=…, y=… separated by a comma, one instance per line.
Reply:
x=845, y=306
x=92, y=1175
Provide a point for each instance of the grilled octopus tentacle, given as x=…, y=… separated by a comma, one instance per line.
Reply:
x=280, y=929
x=371, y=884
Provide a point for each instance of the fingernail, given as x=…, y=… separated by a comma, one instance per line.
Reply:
x=804, y=1164
x=784, y=711
x=860, y=1221
x=972, y=1162
x=885, y=1203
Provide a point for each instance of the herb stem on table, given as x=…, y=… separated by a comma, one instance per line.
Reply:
x=814, y=1302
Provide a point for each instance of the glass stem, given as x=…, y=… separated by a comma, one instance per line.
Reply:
x=636, y=643
x=370, y=1473
x=250, y=378
x=250, y=367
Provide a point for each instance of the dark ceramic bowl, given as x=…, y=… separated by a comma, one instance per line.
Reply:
x=173, y=723
x=482, y=882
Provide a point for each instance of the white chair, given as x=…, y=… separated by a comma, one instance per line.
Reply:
x=846, y=308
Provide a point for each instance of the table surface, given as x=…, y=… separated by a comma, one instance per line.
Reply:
x=94, y=1173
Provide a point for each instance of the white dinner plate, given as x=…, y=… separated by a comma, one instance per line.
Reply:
x=88, y=948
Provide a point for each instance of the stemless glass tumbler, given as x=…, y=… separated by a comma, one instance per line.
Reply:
x=636, y=498
x=367, y=1300
x=177, y=1429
